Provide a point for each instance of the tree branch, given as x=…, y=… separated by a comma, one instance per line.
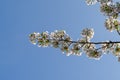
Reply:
x=118, y=32
x=110, y=42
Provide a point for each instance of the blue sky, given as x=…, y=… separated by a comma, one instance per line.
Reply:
x=20, y=60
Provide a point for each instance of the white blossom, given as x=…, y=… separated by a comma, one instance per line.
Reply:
x=104, y=1
x=91, y=2
x=107, y=9
x=116, y=50
x=58, y=34
x=45, y=35
x=107, y=48
x=93, y=54
x=55, y=43
x=33, y=37
x=65, y=48
x=112, y=24
x=76, y=49
x=87, y=33
x=88, y=47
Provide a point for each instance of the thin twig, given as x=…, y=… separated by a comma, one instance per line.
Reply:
x=118, y=32
x=110, y=42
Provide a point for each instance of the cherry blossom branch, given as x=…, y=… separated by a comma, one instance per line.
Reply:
x=59, y=39
x=93, y=50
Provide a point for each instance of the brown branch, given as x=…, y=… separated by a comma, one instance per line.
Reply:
x=118, y=32
x=110, y=42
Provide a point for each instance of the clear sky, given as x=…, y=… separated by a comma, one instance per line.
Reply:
x=20, y=60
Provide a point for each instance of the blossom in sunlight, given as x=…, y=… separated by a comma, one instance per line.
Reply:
x=43, y=42
x=45, y=35
x=76, y=49
x=91, y=2
x=109, y=24
x=55, y=43
x=67, y=40
x=116, y=50
x=40, y=39
x=107, y=48
x=117, y=24
x=44, y=39
x=57, y=34
x=94, y=54
x=65, y=48
x=88, y=47
x=104, y=1
x=87, y=33
x=107, y=9
x=33, y=37
x=112, y=24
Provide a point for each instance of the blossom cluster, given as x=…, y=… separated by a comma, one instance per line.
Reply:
x=94, y=50
x=59, y=39
x=112, y=24
x=110, y=9
x=91, y=2
x=87, y=33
